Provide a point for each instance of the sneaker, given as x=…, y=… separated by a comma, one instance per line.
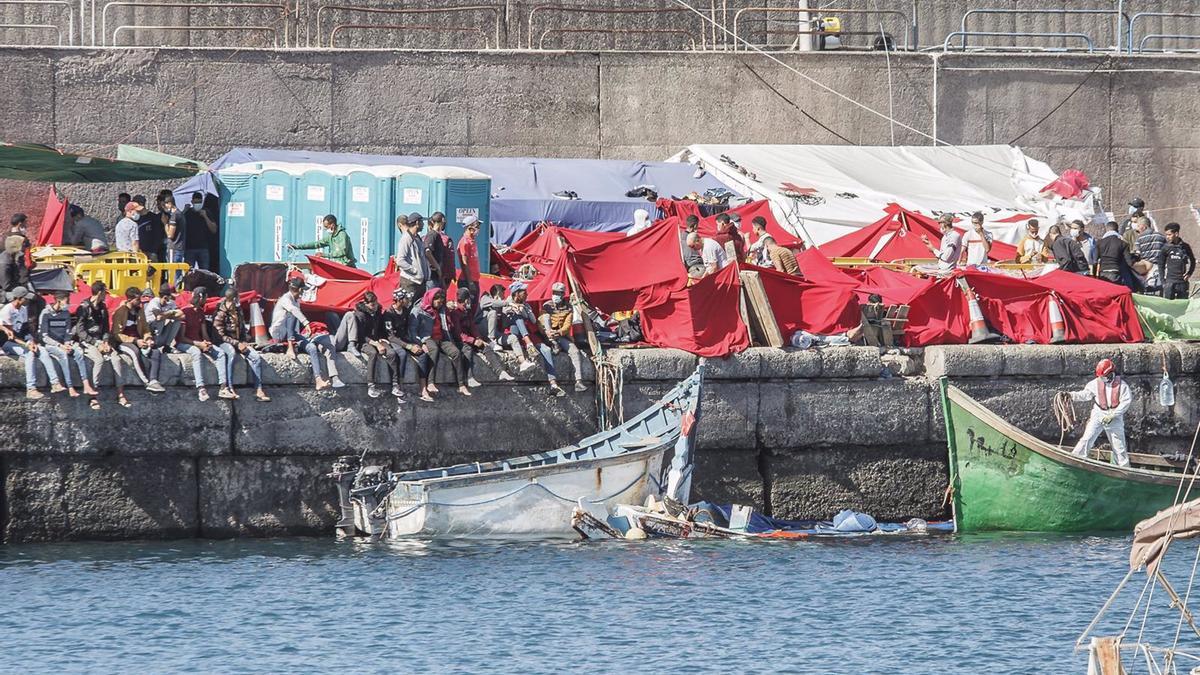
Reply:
x=321, y=383
x=464, y=391
x=202, y=393
x=579, y=386
x=505, y=376
x=373, y=390
x=472, y=382
x=554, y=348
x=337, y=382
x=397, y=392
x=557, y=391
x=496, y=346
x=34, y=394
x=431, y=388
x=526, y=365
x=154, y=386
x=226, y=392
x=531, y=352
x=57, y=388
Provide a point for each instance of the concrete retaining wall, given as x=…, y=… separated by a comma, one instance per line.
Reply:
x=797, y=434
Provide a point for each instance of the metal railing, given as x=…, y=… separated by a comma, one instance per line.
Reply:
x=232, y=29
x=47, y=3
x=34, y=26
x=1122, y=21
x=406, y=27
x=909, y=28
x=497, y=12
x=283, y=10
x=1141, y=45
x=964, y=34
x=614, y=32
x=534, y=12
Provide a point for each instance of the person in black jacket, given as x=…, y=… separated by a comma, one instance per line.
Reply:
x=1176, y=263
x=1067, y=252
x=1115, y=261
x=13, y=271
x=91, y=331
x=400, y=347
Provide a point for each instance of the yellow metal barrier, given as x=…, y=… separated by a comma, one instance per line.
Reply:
x=121, y=276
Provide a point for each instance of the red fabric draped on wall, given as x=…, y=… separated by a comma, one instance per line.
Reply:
x=801, y=304
x=53, y=222
x=704, y=319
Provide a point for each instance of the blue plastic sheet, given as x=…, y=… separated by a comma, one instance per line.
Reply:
x=523, y=189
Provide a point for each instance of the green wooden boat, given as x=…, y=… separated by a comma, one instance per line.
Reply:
x=1005, y=479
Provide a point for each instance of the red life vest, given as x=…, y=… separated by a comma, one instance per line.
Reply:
x=1108, y=396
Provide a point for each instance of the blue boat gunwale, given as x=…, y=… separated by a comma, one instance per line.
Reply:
x=627, y=440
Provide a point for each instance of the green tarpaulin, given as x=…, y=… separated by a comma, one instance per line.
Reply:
x=1168, y=319
x=44, y=164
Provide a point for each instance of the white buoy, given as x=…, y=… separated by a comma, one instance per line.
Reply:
x=635, y=533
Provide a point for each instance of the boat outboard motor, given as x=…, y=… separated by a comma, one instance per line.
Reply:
x=345, y=471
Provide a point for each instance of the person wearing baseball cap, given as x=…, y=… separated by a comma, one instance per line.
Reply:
x=288, y=324
x=17, y=339
x=468, y=255
x=401, y=348
x=126, y=232
x=411, y=258
x=557, y=324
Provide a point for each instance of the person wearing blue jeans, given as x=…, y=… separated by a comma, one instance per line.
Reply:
x=19, y=341
x=229, y=328
x=519, y=317
x=193, y=340
x=57, y=346
x=287, y=325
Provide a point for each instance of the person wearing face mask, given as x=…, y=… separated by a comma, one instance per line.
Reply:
x=1112, y=398
x=1067, y=251
x=229, y=328
x=1176, y=264
x=199, y=229
x=1087, y=244
x=335, y=244
x=556, y=324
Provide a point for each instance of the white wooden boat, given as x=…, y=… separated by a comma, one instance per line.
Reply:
x=531, y=496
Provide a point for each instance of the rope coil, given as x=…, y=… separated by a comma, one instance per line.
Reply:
x=1064, y=412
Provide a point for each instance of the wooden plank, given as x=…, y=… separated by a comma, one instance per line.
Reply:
x=762, y=317
x=1137, y=459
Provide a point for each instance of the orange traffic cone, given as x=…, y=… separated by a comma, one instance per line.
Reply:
x=979, y=328
x=1058, y=327
x=257, y=327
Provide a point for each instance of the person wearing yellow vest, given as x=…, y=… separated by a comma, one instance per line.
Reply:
x=1112, y=398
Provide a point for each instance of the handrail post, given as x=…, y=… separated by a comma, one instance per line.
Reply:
x=1120, y=16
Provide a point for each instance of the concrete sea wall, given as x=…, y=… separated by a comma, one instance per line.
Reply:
x=1127, y=126
x=797, y=434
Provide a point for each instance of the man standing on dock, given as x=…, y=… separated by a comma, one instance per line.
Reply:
x=1112, y=398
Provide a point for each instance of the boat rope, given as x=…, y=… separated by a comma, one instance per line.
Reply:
x=1064, y=412
x=610, y=383
x=519, y=490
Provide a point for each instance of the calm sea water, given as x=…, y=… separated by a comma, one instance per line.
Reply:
x=975, y=604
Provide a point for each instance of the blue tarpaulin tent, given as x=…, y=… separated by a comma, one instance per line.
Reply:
x=522, y=188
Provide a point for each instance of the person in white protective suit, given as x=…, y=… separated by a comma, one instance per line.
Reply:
x=1112, y=398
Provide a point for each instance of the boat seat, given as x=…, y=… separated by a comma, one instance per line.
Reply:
x=1140, y=459
x=643, y=442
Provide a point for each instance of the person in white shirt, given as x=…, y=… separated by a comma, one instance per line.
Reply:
x=951, y=245
x=18, y=339
x=126, y=233
x=287, y=324
x=86, y=231
x=977, y=242
x=712, y=253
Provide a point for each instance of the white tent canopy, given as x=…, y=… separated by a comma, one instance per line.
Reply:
x=825, y=191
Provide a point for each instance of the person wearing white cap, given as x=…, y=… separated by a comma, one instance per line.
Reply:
x=558, y=323
x=468, y=255
x=518, y=317
x=18, y=340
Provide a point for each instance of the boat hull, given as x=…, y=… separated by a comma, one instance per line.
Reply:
x=1006, y=479
x=520, y=504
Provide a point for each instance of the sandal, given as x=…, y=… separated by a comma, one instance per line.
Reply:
x=94, y=404
x=124, y=402
x=262, y=397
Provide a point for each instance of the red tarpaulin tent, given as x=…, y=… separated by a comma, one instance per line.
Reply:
x=52, y=229
x=1095, y=310
x=820, y=307
x=897, y=236
x=704, y=319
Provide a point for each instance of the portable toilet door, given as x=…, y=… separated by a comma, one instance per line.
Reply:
x=367, y=200
x=470, y=197
x=236, y=233
x=276, y=196
x=318, y=193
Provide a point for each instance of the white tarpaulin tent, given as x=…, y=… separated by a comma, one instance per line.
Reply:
x=825, y=191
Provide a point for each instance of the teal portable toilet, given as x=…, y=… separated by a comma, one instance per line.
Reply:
x=236, y=191
x=367, y=201
x=318, y=193
x=459, y=193
x=275, y=195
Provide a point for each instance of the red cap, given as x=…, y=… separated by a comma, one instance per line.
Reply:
x=1104, y=367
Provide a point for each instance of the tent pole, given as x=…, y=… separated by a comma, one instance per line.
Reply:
x=580, y=305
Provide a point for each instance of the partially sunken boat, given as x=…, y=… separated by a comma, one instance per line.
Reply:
x=1003, y=478
x=531, y=496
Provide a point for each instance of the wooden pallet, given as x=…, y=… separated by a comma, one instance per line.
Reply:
x=760, y=318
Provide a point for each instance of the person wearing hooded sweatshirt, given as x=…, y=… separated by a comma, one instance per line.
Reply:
x=369, y=342
x=93, y=337
x=557, y=325
x=466, y=333
x=55, y=328
x=431, y=326
x=233, y=338
x=195, y=341
x=401, y=348
x=336, y=243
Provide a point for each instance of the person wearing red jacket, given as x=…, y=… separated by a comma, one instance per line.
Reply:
x=466, y=332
